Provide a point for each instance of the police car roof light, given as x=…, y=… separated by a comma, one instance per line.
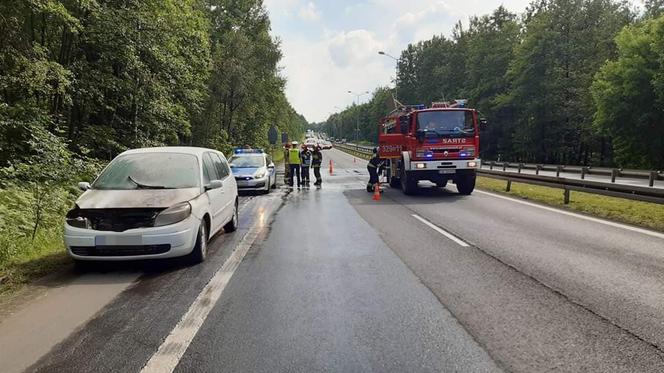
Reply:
x=248, y=151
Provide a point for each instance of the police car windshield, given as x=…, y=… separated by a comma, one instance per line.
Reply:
x=247, y=161
x=447, y=122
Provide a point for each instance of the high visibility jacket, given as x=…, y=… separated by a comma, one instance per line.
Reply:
x=293, y=156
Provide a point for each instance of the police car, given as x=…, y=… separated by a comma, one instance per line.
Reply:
x=253, y=170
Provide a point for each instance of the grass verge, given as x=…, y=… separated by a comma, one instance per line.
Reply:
x=40, y=257
x=648, y=215
x=31, y=244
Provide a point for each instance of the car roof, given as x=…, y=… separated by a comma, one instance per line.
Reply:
x=172, y=149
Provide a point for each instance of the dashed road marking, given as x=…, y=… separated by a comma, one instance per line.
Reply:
x=441, y=231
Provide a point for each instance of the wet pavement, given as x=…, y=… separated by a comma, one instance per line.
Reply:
x=335, y=281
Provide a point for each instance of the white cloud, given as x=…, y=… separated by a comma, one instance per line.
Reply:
x=309, y=12
x=330, y=47
x=353, y=48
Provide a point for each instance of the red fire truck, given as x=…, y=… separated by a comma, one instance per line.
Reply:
x=438, y=144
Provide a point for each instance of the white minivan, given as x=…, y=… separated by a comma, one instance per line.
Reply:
x=153, y=203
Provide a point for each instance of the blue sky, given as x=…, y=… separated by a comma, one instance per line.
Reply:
x=331, y=47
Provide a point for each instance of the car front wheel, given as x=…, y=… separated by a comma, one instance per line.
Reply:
x=199, y=253
x=232, y=225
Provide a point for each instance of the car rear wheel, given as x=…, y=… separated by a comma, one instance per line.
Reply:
x=232, y=225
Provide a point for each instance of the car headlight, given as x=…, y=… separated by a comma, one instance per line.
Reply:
x=173, y=214
x=74, y=219
x=420, y=165
x=259, y=174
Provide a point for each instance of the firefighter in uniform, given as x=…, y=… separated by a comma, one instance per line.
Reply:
x=286, y=164
x=305, y=157
x=375, y=168
x=316, y=161
x=294, y=161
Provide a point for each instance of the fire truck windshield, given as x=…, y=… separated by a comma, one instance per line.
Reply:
x=453, y=122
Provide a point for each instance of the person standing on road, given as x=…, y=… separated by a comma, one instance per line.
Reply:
x=316, y=162
x=375, y=167
x=294, y=161
x=286, y=163
x=305, y=157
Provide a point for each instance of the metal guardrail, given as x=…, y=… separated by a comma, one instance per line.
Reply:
x=631, y=192
x=357, y=150
x=611, y=189
x=612, y=173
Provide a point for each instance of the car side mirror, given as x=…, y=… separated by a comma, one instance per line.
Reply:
x=271, y=165
x=483, y=123
x=214, y=184
x=84, y=185
x=420, y=135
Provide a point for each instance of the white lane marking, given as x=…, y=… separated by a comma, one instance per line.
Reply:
x=175, y=345
x=441, y=231
x=580, y=216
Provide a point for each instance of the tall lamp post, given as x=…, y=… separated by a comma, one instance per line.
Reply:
x=357, y=121
x=335, y=124
x=396, y=76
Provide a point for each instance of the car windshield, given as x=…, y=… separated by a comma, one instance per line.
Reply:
x=447, y=122
x=247, y=161
x=150, y=171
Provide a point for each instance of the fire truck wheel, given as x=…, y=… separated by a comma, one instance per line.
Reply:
x=465, y=184
x=408, y=184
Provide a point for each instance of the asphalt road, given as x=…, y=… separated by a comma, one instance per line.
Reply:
x=335, y=281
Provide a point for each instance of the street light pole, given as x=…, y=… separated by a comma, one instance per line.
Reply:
x=357, y=120
x=396, y=76
x=335, y=124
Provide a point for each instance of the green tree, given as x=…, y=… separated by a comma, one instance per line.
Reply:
x=564, y=44
x=629, y=95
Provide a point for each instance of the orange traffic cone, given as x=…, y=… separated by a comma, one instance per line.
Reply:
x=331, y=167
x=376, y=196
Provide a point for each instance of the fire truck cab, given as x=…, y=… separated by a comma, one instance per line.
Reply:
x=438, y=144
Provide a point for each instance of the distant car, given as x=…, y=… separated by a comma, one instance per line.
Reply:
x=253, y=170
x=153, y=203
x=326, y=145
x=310, y=143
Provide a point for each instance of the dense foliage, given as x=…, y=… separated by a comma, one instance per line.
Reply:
x=569, y=81
x=106, y=75
x=83, y=80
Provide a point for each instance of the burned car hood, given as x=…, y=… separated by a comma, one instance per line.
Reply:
x=137, y=198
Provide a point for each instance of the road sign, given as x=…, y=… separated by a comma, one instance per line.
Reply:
x=272, y=135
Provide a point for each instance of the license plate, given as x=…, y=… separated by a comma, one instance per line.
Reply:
x=447, y=171
x=118, y=240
